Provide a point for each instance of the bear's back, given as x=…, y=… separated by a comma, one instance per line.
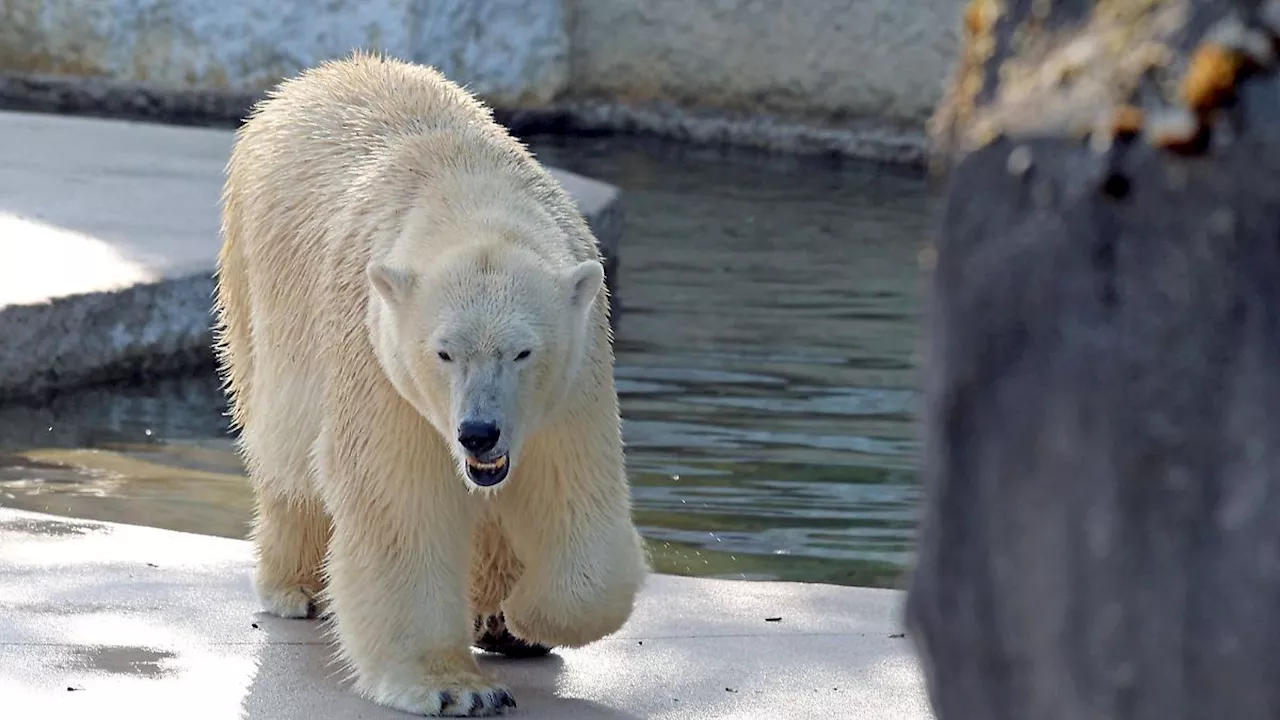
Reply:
x=329, y=166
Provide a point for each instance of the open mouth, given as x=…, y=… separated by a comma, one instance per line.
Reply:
x=487, y=474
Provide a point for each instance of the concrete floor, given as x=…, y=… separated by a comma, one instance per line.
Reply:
x=104, y=620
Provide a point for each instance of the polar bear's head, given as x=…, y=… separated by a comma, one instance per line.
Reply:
x=485, y=342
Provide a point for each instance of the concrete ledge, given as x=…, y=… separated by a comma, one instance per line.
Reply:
x=144, y=329
x=108, y=238
x=104, y=620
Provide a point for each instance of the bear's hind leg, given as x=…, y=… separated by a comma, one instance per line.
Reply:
x=291, y=529
x=291, y=535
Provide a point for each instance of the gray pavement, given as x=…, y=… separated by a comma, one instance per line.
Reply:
x=108, y=235
x=104, y=620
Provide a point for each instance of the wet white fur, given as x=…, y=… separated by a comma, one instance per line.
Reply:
x=373, y=210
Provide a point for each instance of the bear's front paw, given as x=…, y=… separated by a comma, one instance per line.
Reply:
x=553, y=622
x=462, y=694
x=293, y=601
x=496, y=638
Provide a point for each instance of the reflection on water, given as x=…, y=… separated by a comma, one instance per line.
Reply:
x=765, y=361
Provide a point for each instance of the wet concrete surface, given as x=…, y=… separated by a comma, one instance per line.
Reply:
x=117, y=620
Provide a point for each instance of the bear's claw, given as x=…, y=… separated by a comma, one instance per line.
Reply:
x=470, y=703
x=465, y=697
x=480, y=704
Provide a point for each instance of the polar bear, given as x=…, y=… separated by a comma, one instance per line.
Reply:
x=413, y=332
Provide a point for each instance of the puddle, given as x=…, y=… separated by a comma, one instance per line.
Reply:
x=48, y=528
x=122, y=660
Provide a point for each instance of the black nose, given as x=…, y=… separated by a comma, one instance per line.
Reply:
x=478, y=437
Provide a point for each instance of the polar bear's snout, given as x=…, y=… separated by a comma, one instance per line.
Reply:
x=478, y=437
x=484, y=394
x=487, y=463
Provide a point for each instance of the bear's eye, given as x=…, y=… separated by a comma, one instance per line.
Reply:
x=523, y=354
x=444, y=356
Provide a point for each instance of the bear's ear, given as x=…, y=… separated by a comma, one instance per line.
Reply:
x=584, y=281
x=392, y=283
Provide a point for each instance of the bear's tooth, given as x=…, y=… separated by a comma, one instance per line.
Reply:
x=495, y=465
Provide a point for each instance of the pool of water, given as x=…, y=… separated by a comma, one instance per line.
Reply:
x=766, y=363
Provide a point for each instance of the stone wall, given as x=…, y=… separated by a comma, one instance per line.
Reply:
x=820, y=73
x=513, y=51
x=821, y=60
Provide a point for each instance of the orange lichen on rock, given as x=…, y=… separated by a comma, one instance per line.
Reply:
x=973, y=17
x=1127, y=120
x=978, y=43
x=1057, y=78
x=1126, y=71
x=1211, y=76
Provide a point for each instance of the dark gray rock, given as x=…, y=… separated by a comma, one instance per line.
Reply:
x=1101, y=528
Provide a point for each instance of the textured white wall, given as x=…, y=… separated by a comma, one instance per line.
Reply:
x=514, y=51
x=823, y=60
